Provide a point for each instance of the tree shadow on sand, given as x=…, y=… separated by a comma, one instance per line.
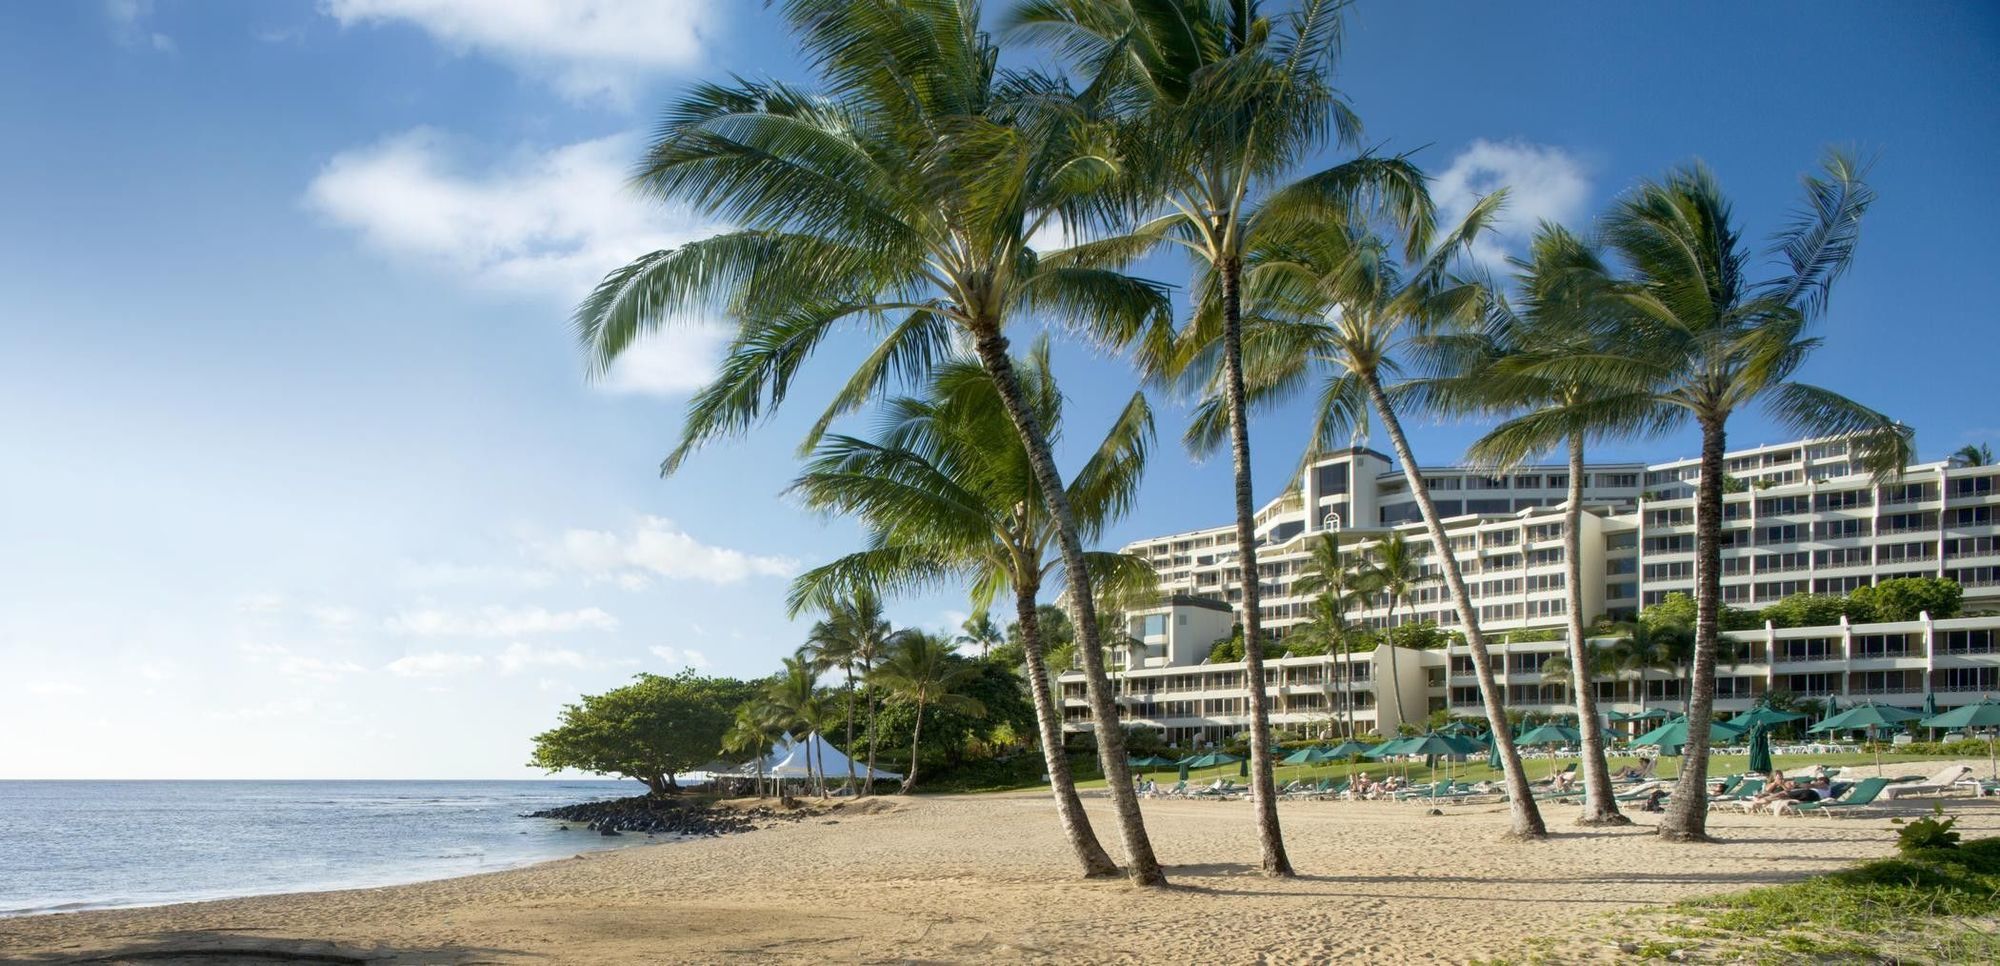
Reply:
x=219, y=948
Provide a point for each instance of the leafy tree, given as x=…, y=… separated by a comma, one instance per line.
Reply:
x=649, y=730
x=951, y=737
x=900, y=201
x=1907, y=598
x=922, y=671
x=1810, y=610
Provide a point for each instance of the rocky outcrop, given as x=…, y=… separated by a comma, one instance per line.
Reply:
x=659, y=816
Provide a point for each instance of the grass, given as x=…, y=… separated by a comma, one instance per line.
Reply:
x=1933, y=906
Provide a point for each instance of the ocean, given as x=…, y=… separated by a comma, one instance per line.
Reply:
x=68, y=845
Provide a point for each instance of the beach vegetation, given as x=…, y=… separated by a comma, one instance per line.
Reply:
x=922, y=672
x=651, y=730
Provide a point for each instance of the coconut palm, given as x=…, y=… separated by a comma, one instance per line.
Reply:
x=900, y=202
x=946, y=499
x=1394, y=572
x=925, y=671
x=1331, y=296
x=1559, y=286
x=1702, y=340
x=1335, y=589
x=1972, y=454
x=979, y=631
x=852, y=638
x=799, y=705
x=1642, y=647
x=1228, y=104
x=754, y=731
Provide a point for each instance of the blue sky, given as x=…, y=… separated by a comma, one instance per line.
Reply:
x=304, y=478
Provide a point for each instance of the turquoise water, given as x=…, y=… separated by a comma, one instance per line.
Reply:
x=85, y=844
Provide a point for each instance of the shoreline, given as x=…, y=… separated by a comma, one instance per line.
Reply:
x=988, y=877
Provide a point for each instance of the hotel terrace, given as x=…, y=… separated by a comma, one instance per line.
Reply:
x=1803, y=518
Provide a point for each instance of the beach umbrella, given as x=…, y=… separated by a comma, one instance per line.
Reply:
x=1184, y=769
x=1210, y=760
x=1930, y=710
x=1650, y=714
x=1985, y=714
x=1867, y=717
x=1393, y=746
x=1760, y=748
x=1348, y=749
x=1764, y=714
x=1493, y=750
x=1550, y=734
x=1243, y=768
x=1310, y=755
x=1674, y=734
x=1149, y=762
x=1432, y=746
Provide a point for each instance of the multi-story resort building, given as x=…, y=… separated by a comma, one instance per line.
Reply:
x=1797, y=517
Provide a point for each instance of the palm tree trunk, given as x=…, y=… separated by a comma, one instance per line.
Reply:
x=1048, y=716
x=1527, y=819
x=1600, y=803
x=1347, y=680
x=916, y=735
x=1395, y=677
x=1263, y=785
x=874, y=710
x=848, y=747
x=1686, y=819
x=1140, y=862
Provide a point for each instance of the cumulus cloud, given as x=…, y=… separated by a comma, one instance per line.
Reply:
x=659, y=547
x=1544, y=183
x=131, y=25
x=434, y=664
x=681, y=657
x=518, y=657
x=445, y=574
x=546, y=222
x=586, y=49
x=316, y=668
x=500, y=622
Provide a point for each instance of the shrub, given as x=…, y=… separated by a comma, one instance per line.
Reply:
x=1925, y=834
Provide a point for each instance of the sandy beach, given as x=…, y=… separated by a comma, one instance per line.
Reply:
x=986, y=878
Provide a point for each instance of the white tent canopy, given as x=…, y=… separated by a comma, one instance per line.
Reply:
x=788, y=760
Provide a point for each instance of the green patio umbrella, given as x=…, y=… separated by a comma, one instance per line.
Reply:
x=1671, y=736
x=1309, y=755
x=1985, y=714
x=1210, y=760
x=1393, y=746
x=1348, y=749
x=1867, y=717
x=1760, y=748
x=1146, y=763
x=1930, y=710
x=1650, y=714
x=1493, y=750
x=1764, y=714
x=1432, y=746
x=1550, y=734
x=1243, y=768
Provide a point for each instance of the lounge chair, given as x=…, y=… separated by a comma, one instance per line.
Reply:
x=1859, y=798
x=1179, y=789
x=1744, y=791
x=1945, y=780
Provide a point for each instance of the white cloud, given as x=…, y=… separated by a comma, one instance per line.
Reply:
x=57, y=689
x=130, y=25
x=660, y=548
x=588, y=49
x=1543, y=183
x=681, y=657
x=548, y=222
x=260, y=603
x=441, y=574
x=333, y=617
x=316, y=669
x=520, y=656
x=434, y=664
x=500, y=622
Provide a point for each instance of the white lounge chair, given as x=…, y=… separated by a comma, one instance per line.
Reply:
x=1937, y=784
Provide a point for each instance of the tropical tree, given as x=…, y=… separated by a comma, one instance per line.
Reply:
x=979, y=631
x=1335, y=589
x=1332, y=296
x=925, y=671
x=1229, y=105
x=800, y=706
x=1972, y=454
x=1393, y=571
x=1702, y=340
x=852, y=638
x=1559, y=286
x=754, y=731
x=1642, y=647
x=948, y=494
x=899, y=201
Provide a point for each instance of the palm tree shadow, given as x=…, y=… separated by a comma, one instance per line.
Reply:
x=224, y=948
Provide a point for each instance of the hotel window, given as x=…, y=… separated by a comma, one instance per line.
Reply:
x=1887, y=645
x=1780, y=562
x=1527, y=482
x=1485, y=482
x=1970, y=678
x=1844, y=557
x=1843, y=500
x=1969, y=546
x=1735, y=593
x=1841, y=529
x=1771, y=506
x=1787, y=533
x=1978, y=641
x=1775, y=590
x=1617, y=480
x=1972, y=516
x=1558, y=481
x=1678, y=543
x=1621, y=541
x=1677, y=517
x=1809, y=649
x=1539, y=582
x=1678, y=570
x=1443, y=483
x=1910, y=493
x=1621, y=591
x=1735, y=510
x=1972, y=486
x=1838, y=585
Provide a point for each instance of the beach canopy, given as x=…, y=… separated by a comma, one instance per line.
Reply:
x=1866, y=716
x=1760, y=748
x=1209, y=760
x=826, y=762
x=1550, y=734
x=1674, y=733
x=1348, y=749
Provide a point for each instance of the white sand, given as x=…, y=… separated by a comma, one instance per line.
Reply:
x=984, y=878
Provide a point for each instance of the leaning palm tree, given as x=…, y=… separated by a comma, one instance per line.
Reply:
x=1227, y=105
x=1972, y=454
x=1335, y=589
x=900, y=201
x=1559, y=285
x=1702, y=340
x=1331, y=296
x=925, y=671
x=1395, y=573
x=948, y=495
x=853, y=638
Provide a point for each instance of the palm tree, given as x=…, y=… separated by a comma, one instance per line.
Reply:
x=1645, y=646
x=1703, y=340
x=924, y=670
x=753, y=732
x=1395, y=573
x=799, y=705
x=980, y=631
x=1559, y=287
x=945, y=499
x=1332, y=295
x=902, y=201
x=852, y=638
x=1972, y=454
x=1228, y=105
x=1335, y=589
x=1679, y=651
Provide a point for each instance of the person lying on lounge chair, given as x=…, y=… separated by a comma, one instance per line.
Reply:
x=1564, y=782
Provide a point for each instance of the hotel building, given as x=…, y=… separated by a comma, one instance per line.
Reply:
x=1800, y=517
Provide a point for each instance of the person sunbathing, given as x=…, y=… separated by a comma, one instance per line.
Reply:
x=1564, y=781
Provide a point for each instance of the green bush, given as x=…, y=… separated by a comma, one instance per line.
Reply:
x=1925, y=834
